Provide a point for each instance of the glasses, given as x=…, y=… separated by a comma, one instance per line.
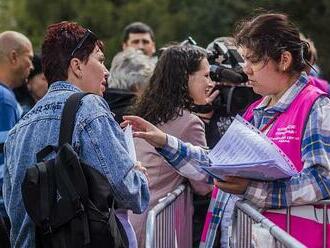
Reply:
x=81, y=42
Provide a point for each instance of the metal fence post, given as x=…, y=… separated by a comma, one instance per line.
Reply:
x=169, y=223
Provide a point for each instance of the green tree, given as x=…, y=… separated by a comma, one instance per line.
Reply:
x=171, y=20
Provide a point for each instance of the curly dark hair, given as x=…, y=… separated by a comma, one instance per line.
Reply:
x=269, y=35
x=167, y=93
x=60, y=41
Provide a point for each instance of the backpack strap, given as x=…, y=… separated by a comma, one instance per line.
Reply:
x=44, y=198
x=66, y=152
x=68, y=117
x=75, y=188
x=45, y=152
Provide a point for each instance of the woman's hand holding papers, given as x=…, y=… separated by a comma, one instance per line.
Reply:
x=145, y=130
x=232, y=185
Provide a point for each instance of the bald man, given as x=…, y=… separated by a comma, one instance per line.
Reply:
x=16, y=55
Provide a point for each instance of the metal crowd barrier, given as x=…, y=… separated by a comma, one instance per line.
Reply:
x=169, y=223
x=245, y=216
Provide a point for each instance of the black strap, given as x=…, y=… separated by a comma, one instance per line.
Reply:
x=66, y=131
x=44, y=198
x=114, y=228
x=68, y=118
x=44, y=152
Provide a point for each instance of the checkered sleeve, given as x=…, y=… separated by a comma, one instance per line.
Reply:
x=186, y=158
x=313, y=182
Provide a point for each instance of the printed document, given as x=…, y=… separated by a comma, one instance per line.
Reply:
x=244, y=151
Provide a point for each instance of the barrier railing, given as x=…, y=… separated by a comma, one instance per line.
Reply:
x=324, y=207
x=169, y=223
x=246, y=217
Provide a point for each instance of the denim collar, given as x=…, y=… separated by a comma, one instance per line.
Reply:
x=287, y=97
x=63, y=85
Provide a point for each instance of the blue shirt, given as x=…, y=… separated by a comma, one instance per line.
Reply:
x=9, y=115
x=9, y=108
x=98, y=140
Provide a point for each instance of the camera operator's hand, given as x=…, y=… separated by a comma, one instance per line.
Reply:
x=207, y=116
x=145, y=130
x=212, y=96
x=232, y=185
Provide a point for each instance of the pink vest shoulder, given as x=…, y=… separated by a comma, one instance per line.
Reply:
x=321, y=87
x=320, y=83
x=288, y=129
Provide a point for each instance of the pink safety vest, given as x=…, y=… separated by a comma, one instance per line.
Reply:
x=287, y=132
x=320, y=83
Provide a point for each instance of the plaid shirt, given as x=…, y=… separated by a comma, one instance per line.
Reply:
x=311, y=185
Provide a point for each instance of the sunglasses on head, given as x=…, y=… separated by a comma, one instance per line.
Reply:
x=87, y=34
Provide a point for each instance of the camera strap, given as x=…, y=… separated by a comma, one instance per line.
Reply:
x=202, y=109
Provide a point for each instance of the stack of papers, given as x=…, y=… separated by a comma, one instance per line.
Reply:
x=244, y=151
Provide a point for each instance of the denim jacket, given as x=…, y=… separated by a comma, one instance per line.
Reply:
x=98, y=140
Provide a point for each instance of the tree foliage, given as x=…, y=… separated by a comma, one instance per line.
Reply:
x=171, y=20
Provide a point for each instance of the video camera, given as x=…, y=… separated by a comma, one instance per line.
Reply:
x=226, y=69
x=226, y=64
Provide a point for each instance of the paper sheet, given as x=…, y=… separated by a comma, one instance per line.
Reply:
x=128, y=132
x=246, y=152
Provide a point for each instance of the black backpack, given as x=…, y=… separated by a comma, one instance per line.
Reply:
x=70, y=203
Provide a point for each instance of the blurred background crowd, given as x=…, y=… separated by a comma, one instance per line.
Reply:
x=171, y=20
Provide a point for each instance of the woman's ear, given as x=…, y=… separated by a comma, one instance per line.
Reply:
x=75, y=65
x=286, y=61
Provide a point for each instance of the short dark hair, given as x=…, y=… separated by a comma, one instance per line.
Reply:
x=269, y=35
x=137, y=27
x=167, y=93
x=59, y=42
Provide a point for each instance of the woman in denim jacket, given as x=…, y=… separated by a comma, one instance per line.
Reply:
x=73, y=61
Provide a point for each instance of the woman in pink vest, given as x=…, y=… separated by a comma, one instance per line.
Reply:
x=293, y=113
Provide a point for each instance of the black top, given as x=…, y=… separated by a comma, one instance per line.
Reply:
x=119, y=101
